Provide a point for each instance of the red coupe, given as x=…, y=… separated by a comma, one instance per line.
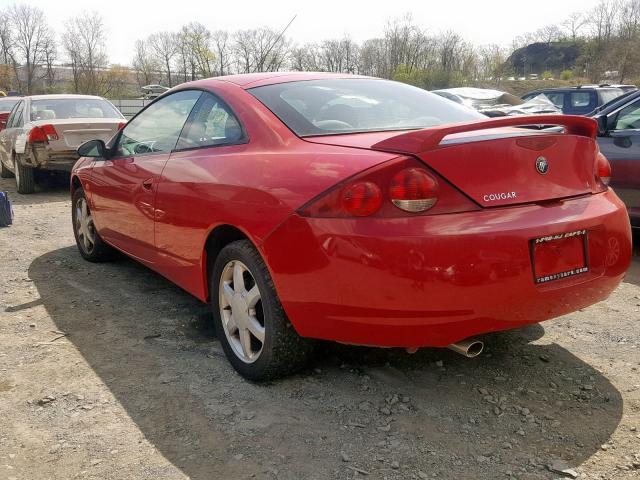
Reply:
x=323, y=206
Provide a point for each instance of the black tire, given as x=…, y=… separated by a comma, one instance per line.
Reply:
x=99, y=251
x=283, y=350
x=4, y=171
x=25, y=177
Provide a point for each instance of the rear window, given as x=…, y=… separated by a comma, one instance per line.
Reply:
x=6, y=104
x=608, y=95
x=330, y=107
x=50, y=109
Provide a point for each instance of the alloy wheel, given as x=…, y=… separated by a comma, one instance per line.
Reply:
x=241, y=311
x=85, y=228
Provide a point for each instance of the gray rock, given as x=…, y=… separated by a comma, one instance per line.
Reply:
x=561, y=467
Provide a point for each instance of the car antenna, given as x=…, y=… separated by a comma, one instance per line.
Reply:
x=277, y=39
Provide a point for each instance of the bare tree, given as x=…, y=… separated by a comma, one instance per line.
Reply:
x=195, y=57
x=603, y=18
x=144, y=64
x=574, y=24
x=6, y=37
x=549, y=34
x=338, y=55
x=627, y=48
x=372, y=58
x=84, y=41
x=260, y=50
x=164, y=46
x=222, y=50
x=30, y=38
x=50, y=57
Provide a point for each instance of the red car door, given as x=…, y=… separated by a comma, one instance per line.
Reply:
x=123, y=187
x=210, y=144
x=621, y=146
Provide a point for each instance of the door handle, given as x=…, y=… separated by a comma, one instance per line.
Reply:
x=148, y=184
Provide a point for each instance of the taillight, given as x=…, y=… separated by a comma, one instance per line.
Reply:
x=603, y=169
x=401, y=187
x=361, y=199
x=121, y=125
x=413, y=190
x=43, y=133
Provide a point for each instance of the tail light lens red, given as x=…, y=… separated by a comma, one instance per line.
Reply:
x=43, y=133
x=361, y=199
x=413, y=190
x=603, y=169
x=398, y=188
x=121, y=125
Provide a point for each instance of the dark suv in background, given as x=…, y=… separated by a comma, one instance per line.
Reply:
x=578, y=100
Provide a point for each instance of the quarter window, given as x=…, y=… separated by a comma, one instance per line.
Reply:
x=156, y=129
x=629, y=118
x=212, y=123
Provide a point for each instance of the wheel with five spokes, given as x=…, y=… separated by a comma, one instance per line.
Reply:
x=91, y=246
x=250, y=323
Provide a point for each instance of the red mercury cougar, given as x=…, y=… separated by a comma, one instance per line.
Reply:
x=310, y=206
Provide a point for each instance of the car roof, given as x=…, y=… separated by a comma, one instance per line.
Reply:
x=573, y=89
x=62, y=96
x=251, y=80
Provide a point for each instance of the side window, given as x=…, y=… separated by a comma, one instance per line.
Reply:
x=556, y=98
x=15, y=115
x=628, y=118
x=211, y=123
x=156, y=130
x=582, y=99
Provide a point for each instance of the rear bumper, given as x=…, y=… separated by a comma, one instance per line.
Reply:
x=431, y=281
x=44, y=158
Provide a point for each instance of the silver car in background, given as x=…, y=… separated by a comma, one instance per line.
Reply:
x=43, y=132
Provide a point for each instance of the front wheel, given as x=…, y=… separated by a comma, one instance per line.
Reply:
x=90, y=245
x=249, y=320
x=25, y=177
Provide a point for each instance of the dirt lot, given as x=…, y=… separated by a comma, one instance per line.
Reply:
x=139, y=388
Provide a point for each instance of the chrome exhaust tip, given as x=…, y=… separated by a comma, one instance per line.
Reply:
x=470, y=347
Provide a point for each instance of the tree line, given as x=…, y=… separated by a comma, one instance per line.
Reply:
x=33, y=55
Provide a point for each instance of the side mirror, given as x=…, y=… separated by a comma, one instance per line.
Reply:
x=92, y=149
x=624, y=133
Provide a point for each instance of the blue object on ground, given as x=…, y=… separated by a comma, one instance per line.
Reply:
x=6, y=212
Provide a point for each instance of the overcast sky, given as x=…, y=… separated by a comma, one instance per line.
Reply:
x=479, y=21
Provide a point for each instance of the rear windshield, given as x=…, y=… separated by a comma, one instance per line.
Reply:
x=6, y=104
x=329, y=107
x=51, y=109
x=608, y=95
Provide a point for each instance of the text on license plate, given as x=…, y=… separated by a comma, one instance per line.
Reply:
x=559, y=256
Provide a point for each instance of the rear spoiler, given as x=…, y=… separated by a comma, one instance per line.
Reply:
x=429, y=138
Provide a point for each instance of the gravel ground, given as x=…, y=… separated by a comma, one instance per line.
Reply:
x=109, y=371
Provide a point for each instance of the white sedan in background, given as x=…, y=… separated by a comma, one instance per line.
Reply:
x=43, y=132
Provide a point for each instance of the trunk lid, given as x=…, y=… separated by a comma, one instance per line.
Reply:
x=496, y=164
x=73, y=132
